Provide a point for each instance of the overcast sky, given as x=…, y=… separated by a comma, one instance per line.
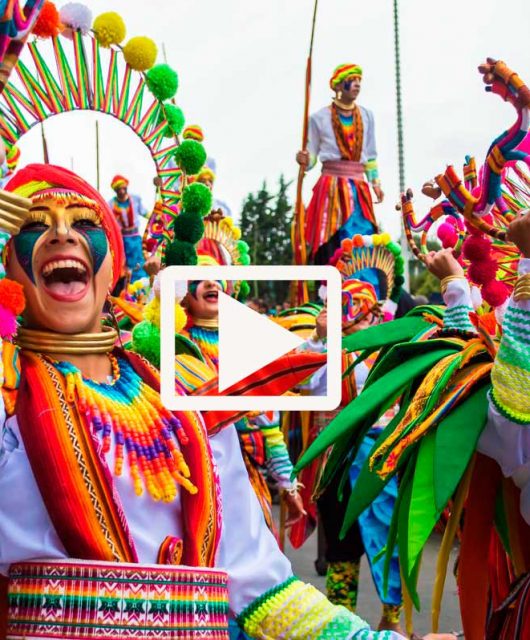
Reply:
x=242, y=66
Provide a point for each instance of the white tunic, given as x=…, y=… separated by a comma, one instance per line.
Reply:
x=322, y=143
x=248, y=551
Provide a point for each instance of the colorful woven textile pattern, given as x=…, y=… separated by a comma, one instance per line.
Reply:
x=78, y=600
x=510, y=374
x=298, y=611
x=85, y=514
x=334, y=200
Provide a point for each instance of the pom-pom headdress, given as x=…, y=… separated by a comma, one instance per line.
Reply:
x=97, y=69
x=343, y=72
x=375, y=259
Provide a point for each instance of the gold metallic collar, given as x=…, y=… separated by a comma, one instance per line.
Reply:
x=73, y=344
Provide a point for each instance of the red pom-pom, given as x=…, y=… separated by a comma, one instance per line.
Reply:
x=476, y=248
x=12, y=296
x=48, y=23
x=473, y=230
x=495, y=293
x=447, y=235
x=482, y=271
x=336, y=257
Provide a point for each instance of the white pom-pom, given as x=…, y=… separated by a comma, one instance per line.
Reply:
x=476, y=297
x=323, y=292
x=75, y=15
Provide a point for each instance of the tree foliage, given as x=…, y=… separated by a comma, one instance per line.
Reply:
x=266, y=225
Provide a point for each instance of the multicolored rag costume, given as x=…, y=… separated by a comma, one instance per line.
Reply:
x=341, y=205
x=127, y=212
x=138, y=485
x=460, y=441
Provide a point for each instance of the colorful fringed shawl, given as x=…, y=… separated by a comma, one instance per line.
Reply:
x=76, y=484
x=349, y=137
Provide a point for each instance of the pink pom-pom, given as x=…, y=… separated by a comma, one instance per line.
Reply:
x=447, y=235
x=452, y=221
x=481, y=272
x=476, y=248
x=8, y=323
x=495, y=293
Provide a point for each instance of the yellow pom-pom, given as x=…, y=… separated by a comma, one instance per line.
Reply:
x=140, y=53
x=152, y=312
x=385, y=238
x=109, y=29
x=180, y=318
x=377, y=239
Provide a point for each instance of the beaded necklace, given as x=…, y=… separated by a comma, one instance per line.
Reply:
x=207, y=339
x=131, y=411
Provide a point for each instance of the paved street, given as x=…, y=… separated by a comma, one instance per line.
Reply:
x=368, y=605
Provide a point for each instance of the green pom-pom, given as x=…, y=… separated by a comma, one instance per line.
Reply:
x=197, y=198
x=244, y=259
x=175, y=120
x=399, y=281
x=162, y=82
x=244, y=291
x=146, y=341
x=190, y=156
x=400, y=263
x=242, y=247
x=189, y=227
x=394, y=248
x=180, y=252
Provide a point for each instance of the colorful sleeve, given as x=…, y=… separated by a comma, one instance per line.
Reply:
x=295, y=610
x=457, y=297
x=278, y=463
x=511, y=372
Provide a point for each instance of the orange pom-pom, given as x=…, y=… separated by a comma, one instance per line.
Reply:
x=358, y=240
x=347, y=245
x=12, y=296
x=48, y=23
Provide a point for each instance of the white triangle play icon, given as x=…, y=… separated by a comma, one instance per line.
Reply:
x=248, y=341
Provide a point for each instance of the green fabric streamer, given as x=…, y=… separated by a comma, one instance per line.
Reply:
x=385, y=334
x=456, y=441
x=367, y=405
x=369, y=484
x=423, y=514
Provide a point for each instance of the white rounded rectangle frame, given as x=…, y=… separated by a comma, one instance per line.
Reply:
x=171, y=400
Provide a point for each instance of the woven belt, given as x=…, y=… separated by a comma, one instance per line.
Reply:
x=343, y=169
x=97, y=600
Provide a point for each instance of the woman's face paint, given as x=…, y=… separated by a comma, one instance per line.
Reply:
x=47, y=219
x=62, y=258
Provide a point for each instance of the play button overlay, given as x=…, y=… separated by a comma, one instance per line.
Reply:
x=234, y=315
x=252, y=344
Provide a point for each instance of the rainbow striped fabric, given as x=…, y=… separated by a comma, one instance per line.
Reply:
x=96, y=600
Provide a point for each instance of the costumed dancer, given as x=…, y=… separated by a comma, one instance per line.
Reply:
x=459, y=442
x=127, y=209
x=140, y=490
x=372, y=272
x=342, y=137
